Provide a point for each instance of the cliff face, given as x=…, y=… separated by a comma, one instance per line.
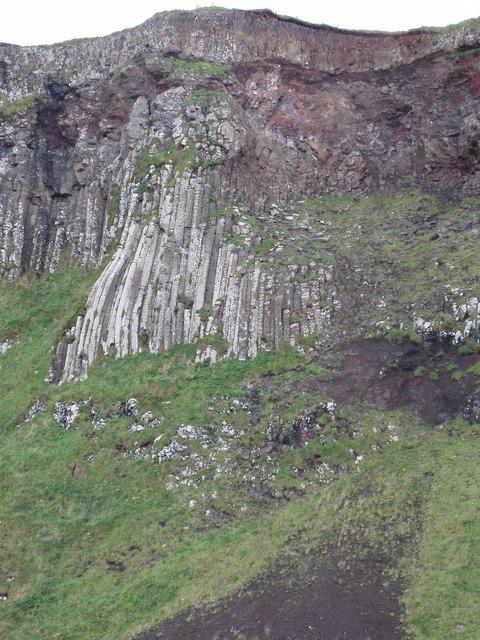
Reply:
x=232, y=183
x=173, y=155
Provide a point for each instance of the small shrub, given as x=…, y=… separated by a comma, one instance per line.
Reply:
x=198, y=67
x=235, y=239
x=215, y=341
x=263, y=248
x=397, y=336
x=204, y=313
x=470, y=347
x=466, y=54
x=206, y=99
x=141, y=189
x=11, y=108
x=445, y=322
x=475, y=369
x=187, y=301
x=310, y=341
x=392, y=365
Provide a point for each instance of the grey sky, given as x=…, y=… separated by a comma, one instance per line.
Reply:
x=47, y=21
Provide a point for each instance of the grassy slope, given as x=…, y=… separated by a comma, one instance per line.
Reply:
x=59, y=529
x=410, y=248
x=472, y=22
x=34, y=313
x=62, y=520
x=404, y=254
x=446, y=583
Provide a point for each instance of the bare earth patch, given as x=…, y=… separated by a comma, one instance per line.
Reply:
x=407, y=375
x=329, y=604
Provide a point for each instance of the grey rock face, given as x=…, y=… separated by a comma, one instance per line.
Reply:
x=153, y=153
x=64, y=413
x=179, y=278
x=5, y=345
x=37, y=407
x=179, y=273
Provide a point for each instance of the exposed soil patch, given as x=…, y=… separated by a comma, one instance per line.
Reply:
x=402, y=375
x=328, y=605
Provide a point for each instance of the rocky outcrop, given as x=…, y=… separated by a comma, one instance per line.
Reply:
x=159, y=155
x=247, y=37
x=184, y=271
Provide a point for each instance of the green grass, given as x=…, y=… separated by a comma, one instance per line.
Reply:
x=173, y=376
x=397, y=336
x=470, y=347
x=466, y=54
x=65, y=521
x=34, y=314
x=227, y=210
x=182, y=158
x=311, y=340
x=187, y=301
x=381, y=233
x=204, y=313
x=446, y=581
x=471, y=22
x=113, y=206
x=62, y=521
x=206, y=99
x=407, y=252
x=11, y=108
x=198, y=67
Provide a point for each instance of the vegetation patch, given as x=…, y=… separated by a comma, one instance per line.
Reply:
x=105, y=533
x=35, y=313
x=469, y=347
x=181, y=157
x=405, y=254
x=228, y=209
x=466, y=54
x=206, y=99
x=187, y=301
x=11, y=108
x=204, y=313
x=465, y=24
x=113, y=207
x=405, y=333
x=198, y=67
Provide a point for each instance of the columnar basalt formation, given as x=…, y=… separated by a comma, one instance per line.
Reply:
x=159, y=155
x=178, y=277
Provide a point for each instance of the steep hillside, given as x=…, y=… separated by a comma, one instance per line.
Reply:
x=240, y=332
